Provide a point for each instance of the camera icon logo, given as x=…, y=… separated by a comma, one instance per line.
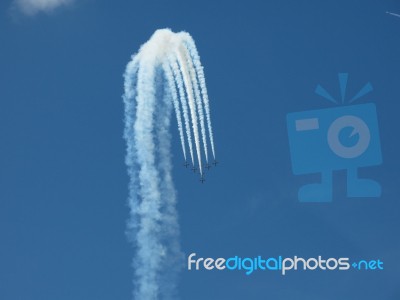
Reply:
x=345, y=137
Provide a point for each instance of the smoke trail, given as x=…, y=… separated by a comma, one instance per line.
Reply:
x=393, y=14
x=197, y=97
x=192, y=106
x=150, y=96
x=179, y=82
x=174, y=95
x=200, y=74
x=171, y=255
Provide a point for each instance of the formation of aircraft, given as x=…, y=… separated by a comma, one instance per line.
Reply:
x=195, y=169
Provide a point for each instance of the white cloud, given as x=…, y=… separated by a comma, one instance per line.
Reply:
x=31, y=7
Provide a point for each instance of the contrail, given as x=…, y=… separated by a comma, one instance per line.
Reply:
x=156, y=78
x=393, y=14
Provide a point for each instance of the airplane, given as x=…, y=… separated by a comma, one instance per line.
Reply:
x=215, y=163
x=202, y=179
x=194, y=169
x=185, y=164
x=207, y=166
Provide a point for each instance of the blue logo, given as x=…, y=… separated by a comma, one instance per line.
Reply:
x=345, y=137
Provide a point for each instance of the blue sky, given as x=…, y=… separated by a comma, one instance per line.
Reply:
x=63, y=182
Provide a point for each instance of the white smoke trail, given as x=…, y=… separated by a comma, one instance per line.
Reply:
x=192, y=106
x=174, y=95
x=181, y=89
x=197, y=97
x=171, y=255
x=393, y=14
x=150, y=95
x=130, y=160
x=148, y=238
x=200, y=74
